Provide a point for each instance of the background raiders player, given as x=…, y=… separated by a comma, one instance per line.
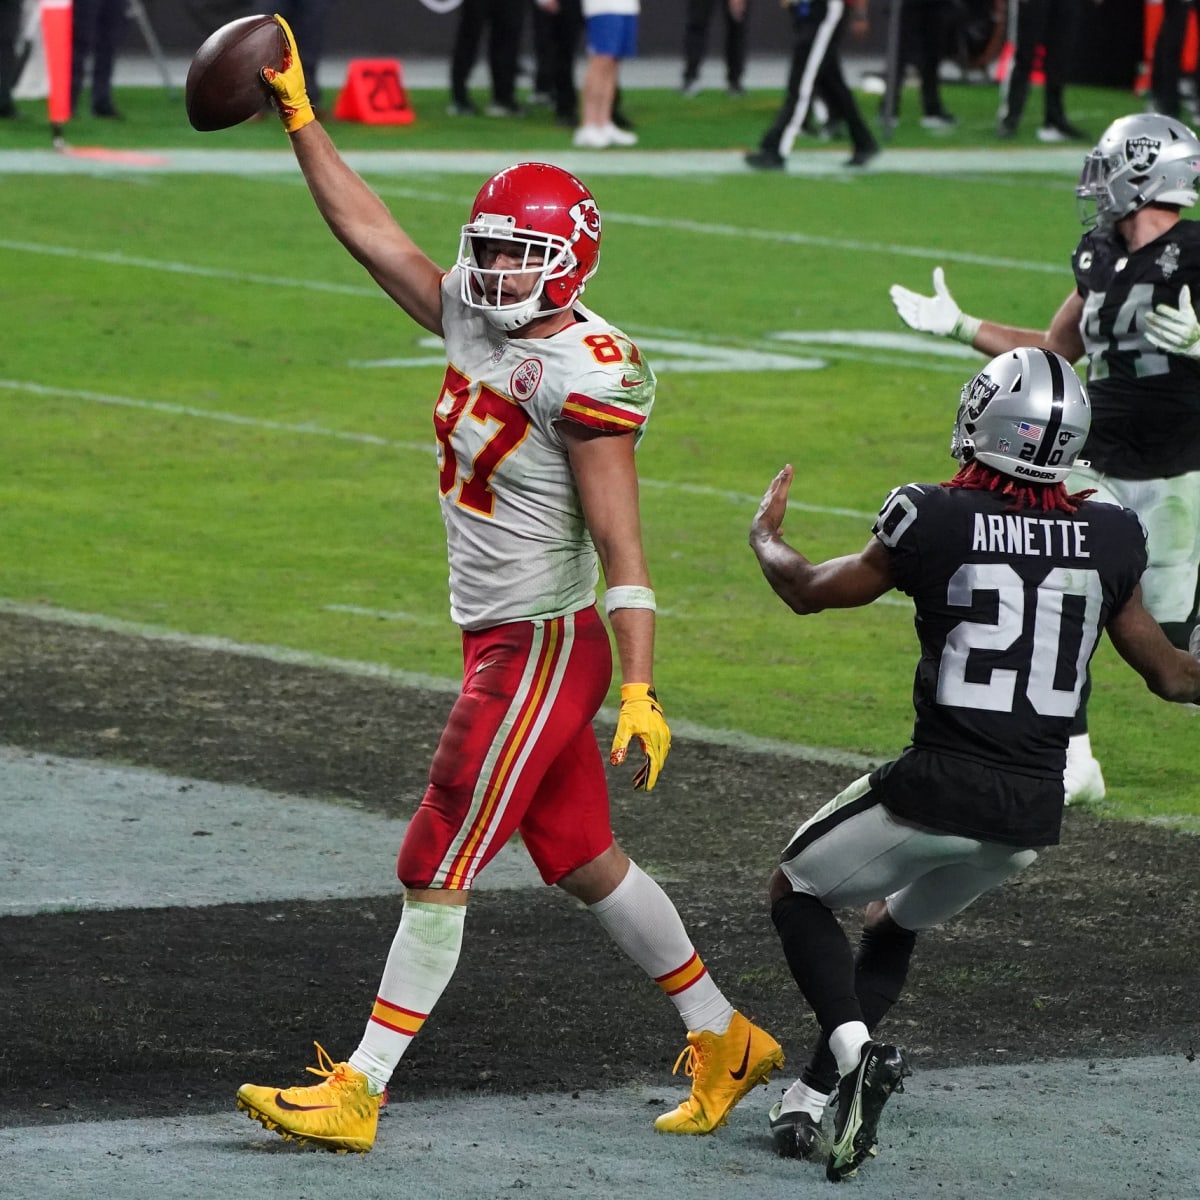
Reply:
x=1013, y=579
x=1131, y=313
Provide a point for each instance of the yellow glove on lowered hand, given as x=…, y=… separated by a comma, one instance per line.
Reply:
x=641, y=717
x=291, y=95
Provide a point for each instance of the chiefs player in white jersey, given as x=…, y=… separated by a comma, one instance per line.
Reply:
x=538, y=415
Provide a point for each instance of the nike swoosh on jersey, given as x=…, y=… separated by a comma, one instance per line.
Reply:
x=288, y=1106
x=630, y=382
x=740, y=1073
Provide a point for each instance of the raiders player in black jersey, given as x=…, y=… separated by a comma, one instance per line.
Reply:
x=1013, y=580
x=1131, y=314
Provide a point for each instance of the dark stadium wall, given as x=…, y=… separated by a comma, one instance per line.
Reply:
x=410, y=28
x=1108, y=52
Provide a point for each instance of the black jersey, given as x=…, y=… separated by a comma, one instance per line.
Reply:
x=1009, y=608
x=1145, y=404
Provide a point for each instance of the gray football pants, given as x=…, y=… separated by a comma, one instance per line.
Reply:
x=927, y=877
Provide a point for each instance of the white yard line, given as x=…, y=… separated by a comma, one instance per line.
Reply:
x=823, y=163
x=1098, y=1129
x=309, y=430
x=87, y=835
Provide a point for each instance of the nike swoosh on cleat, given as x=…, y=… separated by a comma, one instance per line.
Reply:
x=740, y=1073
x=288, y=1106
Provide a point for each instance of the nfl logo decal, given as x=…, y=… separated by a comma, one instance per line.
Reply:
x=525, y=379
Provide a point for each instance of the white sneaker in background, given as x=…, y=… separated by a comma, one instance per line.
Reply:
x=619, y=137
x=1083, y=781
x=591, y=137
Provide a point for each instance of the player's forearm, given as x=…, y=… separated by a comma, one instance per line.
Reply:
x=354, y=213
x=633, y=631
x=993, y=338
x=1178, y=680
x=789, y=573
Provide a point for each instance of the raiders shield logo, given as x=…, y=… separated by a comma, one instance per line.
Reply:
x=977, y=394
x=1142, y=152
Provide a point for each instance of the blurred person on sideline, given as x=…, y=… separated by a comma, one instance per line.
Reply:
x=504, y=20
x=97, y=27
x=734, y=19
x=923, y=42
x=817, y=68
x=612, y=33
x=1131, y=314
x=558, y=29
x=536, y=422
x=1013, y=579
x=10, y=31
x=1167, y=60
x=557, y=32
x=1051, y=24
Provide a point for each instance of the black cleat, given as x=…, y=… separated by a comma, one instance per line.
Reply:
x=862, y=156
x=861, y=1097
x=765, y=160
x=795, y=1134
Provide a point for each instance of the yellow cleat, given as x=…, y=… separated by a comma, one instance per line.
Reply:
x=338, y=1114
x=723, y=1068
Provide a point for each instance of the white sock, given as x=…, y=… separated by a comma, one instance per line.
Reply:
x=420, y=963
x=846, y=1042
x=639, y=916
x=801, y=1098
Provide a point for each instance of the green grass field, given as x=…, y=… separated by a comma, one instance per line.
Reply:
x=212, y=422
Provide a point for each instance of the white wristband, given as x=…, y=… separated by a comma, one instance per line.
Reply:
x=965, y=329
x=628, y=597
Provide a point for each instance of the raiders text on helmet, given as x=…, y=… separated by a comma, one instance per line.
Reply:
x=554, y=217
x=1025, y=414
x=1140, y=159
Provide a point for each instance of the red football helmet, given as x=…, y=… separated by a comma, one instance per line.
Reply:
x=555, y=216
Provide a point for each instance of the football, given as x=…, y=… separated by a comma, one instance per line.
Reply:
x=223, y=84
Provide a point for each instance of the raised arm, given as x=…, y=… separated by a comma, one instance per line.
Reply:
x=1169, y=672
x=357, y=217
x=940, y=314
x=807, y=587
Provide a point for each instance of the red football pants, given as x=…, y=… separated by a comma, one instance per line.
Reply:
x=518, y=754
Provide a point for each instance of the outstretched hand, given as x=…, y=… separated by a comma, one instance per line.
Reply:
x=290, y=92
x=768, y=521
x=938, y=313
x=1175, y=329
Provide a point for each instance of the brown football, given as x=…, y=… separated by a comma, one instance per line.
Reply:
x=223, y=86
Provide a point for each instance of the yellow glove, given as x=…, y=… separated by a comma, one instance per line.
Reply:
x=641, y=717
x=291, y=96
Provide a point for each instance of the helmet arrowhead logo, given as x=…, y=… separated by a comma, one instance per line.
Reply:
x=586, y=217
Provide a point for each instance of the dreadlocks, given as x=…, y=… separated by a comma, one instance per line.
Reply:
x=979, y=477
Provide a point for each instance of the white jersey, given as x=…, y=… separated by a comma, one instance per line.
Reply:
x=518, y=546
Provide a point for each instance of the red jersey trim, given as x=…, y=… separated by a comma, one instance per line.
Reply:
x=595, y=414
